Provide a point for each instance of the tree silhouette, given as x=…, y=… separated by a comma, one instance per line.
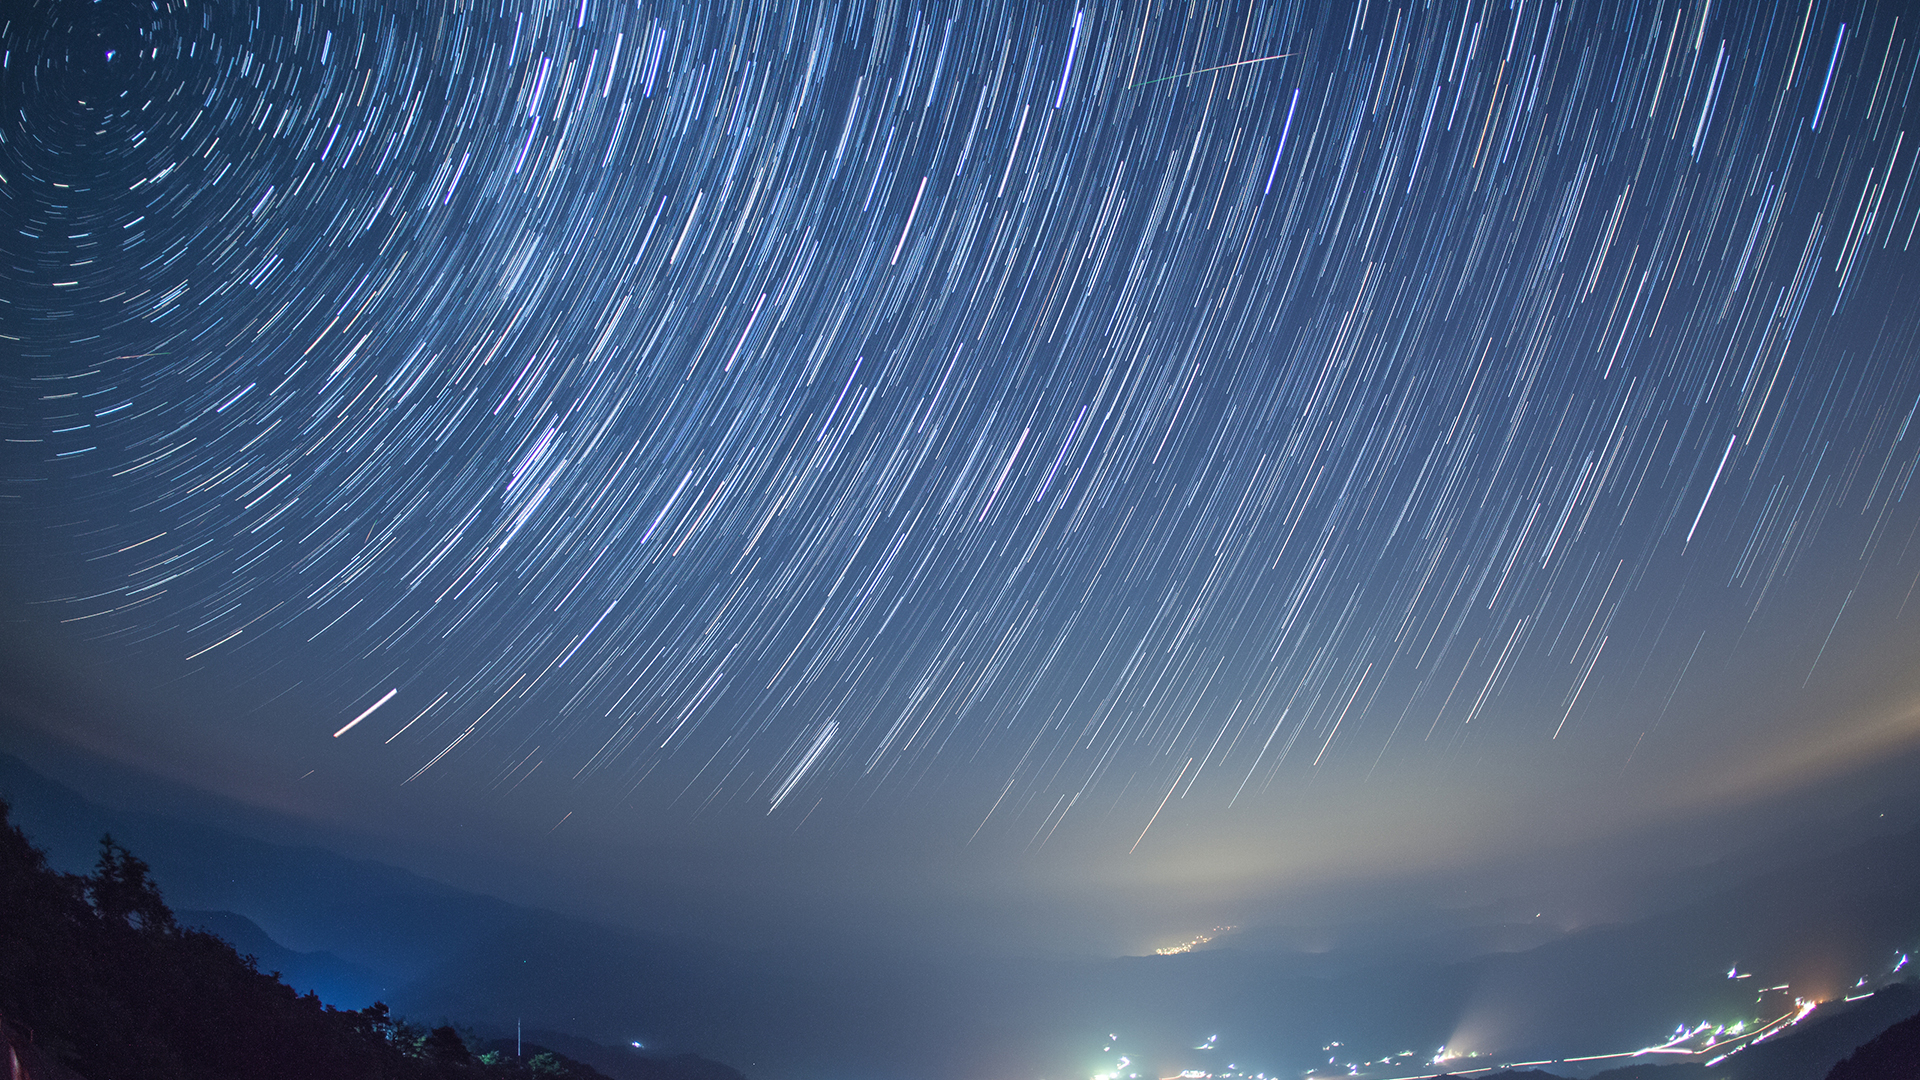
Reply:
x=123, y=893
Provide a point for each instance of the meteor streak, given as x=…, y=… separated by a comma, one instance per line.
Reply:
x=388, y=696
x=1217, y=67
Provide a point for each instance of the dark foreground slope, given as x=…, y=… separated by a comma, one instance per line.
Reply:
x=1894, y=1054
x=98, y=977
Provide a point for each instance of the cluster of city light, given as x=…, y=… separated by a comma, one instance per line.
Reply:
x=1707, y=1042
x=1119, y=1069
x=1401, y=1059
x=1192, y=943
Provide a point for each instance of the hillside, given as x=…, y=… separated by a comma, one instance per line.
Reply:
x=102, y=980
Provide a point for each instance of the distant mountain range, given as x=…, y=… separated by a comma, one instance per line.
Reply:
x=334, y=979
x=355, y=930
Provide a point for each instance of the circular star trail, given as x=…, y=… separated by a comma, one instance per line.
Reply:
x=1032, y=408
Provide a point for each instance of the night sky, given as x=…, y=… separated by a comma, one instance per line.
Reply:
x=1019, y=453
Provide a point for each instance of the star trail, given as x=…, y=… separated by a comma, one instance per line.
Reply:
x=1048, y=412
